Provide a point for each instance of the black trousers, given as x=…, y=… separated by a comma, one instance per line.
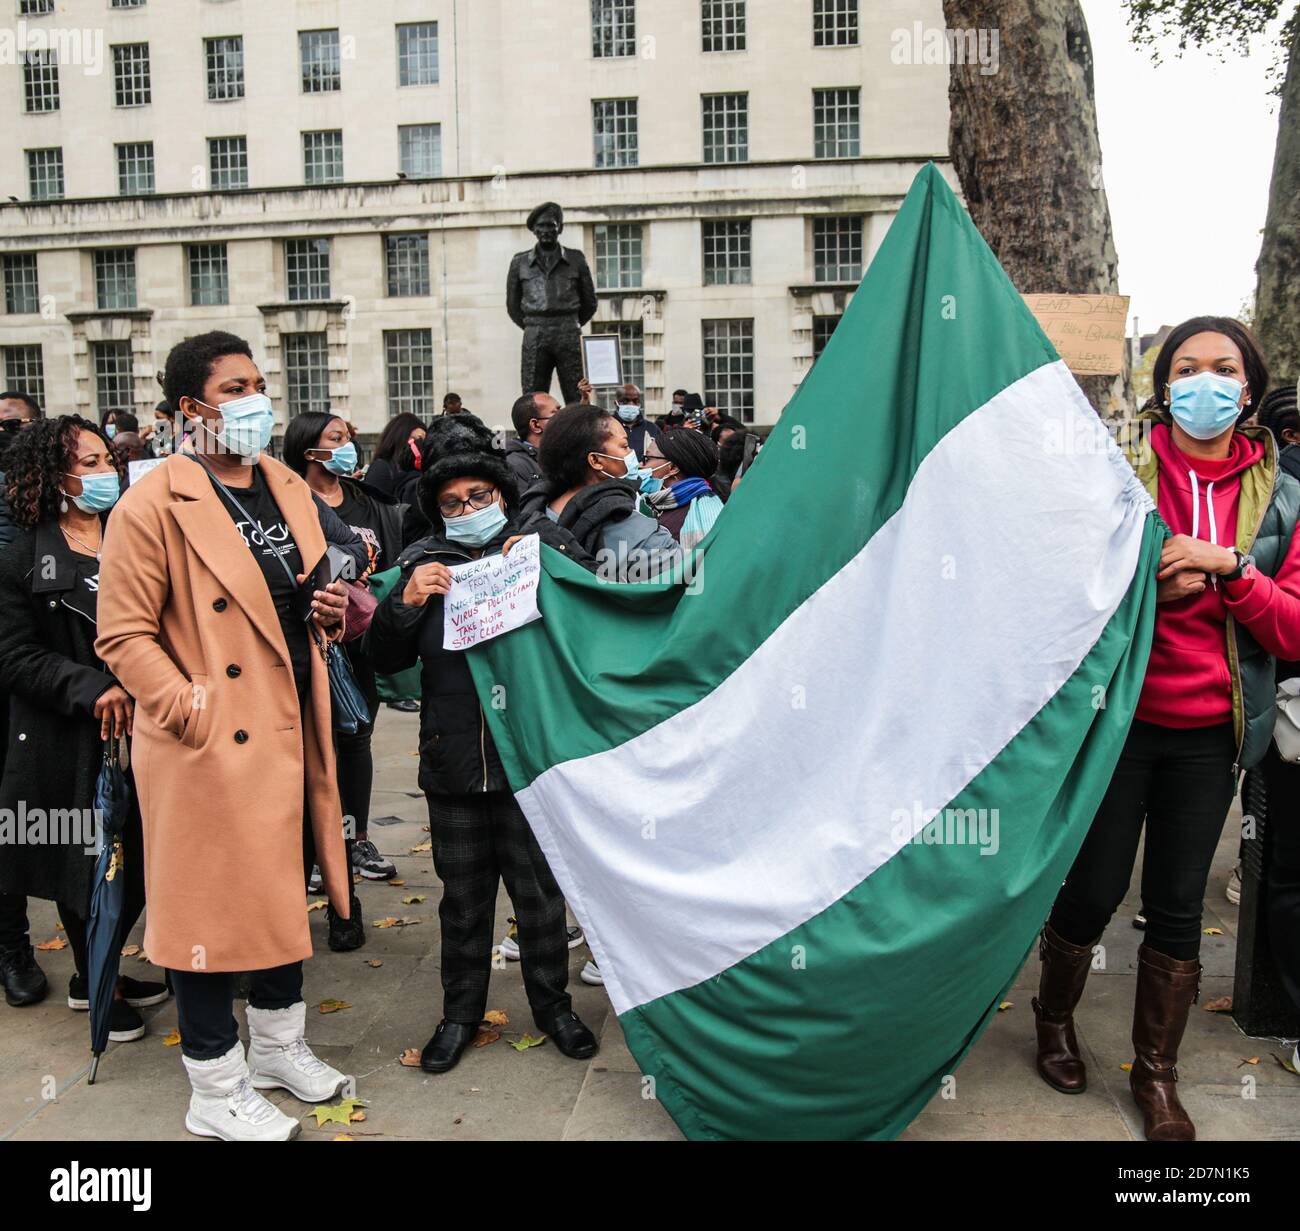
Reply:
x=204, y=1000
x=1179, y=784
x=13, y=920
x=479, y=841
x=1282, y=782
x=549, y=348
x=355, y=764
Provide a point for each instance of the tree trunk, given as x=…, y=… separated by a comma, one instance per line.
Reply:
x=1024, y=144
x=1277, y=297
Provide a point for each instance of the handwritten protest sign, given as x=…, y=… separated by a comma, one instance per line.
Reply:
x=492, y=596
x=1087, y=330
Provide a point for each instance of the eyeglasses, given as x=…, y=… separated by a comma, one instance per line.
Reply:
x=477, y=500
x=14, y=425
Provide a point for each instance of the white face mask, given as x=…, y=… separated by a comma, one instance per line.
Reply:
x=629, y=412
x=247, y=424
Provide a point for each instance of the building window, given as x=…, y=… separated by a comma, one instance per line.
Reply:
x=114, y=385
x=407, y=261
x=729, y=367
x=115, y=278
x=727, y=253
x=837, y=249
x=307, y=268
x=35, y=8
x=225, y=61
x=836, y=126
x=209, y=275
x=131, y=75
x=618, y=256
x=614, y=127
x=722, y=25
x=25, y=371
x=40, y=81
x=613, y=27
x=726, y=127
x=417, y=53
x=408, y=355
x=420, y=150
x=322, y=157
x=835, y=23
x=135, y=168
x=45, y=174
x=318, y=51
x=228, y=162
x=306, y=373
x=127, y=4
x=631, y=345
x=823, y=327
x=22, y=290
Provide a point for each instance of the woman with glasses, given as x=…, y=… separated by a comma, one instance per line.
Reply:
x=676, y=475
x=479, y=835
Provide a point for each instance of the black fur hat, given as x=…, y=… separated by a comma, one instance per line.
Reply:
x=465, y=464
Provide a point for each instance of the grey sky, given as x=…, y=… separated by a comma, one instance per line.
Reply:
x=1187, y=151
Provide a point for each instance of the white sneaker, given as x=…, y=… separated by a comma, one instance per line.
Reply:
x=509, y=945
x=225, y=1105
x=314, y=880
x=1233, y=891
x=280, y=1058
x=591, y=974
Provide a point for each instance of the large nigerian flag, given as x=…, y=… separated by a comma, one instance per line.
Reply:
x=933, y=591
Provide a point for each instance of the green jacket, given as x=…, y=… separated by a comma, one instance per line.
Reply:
x=1267, y=511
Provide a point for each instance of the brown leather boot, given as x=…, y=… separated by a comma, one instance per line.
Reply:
x=1166, y=990
x=1065, y=970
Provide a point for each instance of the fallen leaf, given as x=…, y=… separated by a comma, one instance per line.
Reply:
x=457, y=1120
x=173, y=1039
x=342, y=1137
x=1252, y=1060
x=424, y=846
x=1220, y=1004
x=412, y=898
x=374, y=962
x=1127, y=1066
x=336, y=1113
x=1213, y=931
x=395, y=884
x=1286, y=1064
x=485, y=1036
x=321, y=905
x=356, y=1117
x=58, y=927
x=143, y=957
x=425, y=828
x=528, y=1041
x=1006, y=1004
x=130, y=950
x=333, y=1006
x=356, y=878
x=57, y=943
x=410, y=1058
x=391, y=922
x=496, y=1017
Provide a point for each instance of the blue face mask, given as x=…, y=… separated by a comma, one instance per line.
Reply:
x=631, y=463
x=1205, y=405
x=342, y=460
x=99, y=492
x=110, y=430
x=477, y=528
x=246, y=425
x=628, y=412
x=650, y=482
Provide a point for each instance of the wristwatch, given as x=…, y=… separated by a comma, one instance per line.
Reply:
x=1243, y=563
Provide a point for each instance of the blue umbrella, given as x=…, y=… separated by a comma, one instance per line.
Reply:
x=103, y=945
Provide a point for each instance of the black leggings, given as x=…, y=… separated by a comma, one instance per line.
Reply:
x=355, y=764
x=1282, y=782
x=1178, y=781
x=204, y=1000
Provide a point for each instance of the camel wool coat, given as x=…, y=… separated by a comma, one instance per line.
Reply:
x=221, y=759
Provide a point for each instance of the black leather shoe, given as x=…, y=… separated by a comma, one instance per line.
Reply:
x=442, y=1052
x=346, y=934
x=24, y=981
x=572, y=1037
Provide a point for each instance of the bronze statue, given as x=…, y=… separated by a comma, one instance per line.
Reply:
x=550, y=296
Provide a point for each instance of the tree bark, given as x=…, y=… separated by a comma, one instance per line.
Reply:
x=1024, y=144
x=1277, y=296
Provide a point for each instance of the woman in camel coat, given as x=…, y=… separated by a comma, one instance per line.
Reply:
x=233, y=733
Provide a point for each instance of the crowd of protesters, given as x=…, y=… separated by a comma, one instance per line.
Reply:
x=204, y=613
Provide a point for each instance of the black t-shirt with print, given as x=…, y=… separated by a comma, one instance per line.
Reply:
x=363, y=518
x=269, y=535
x=87, y=583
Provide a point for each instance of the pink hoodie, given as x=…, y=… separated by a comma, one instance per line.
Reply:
x=1187, y=682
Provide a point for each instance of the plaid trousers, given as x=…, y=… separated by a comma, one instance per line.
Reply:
x=478, y=841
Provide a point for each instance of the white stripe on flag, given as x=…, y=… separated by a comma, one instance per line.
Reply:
x=707, y=837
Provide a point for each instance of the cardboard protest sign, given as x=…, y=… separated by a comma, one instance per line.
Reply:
x=1088, y=331
x=492, y=596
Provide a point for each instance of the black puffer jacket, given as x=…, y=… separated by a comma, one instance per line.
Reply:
x=457, y=755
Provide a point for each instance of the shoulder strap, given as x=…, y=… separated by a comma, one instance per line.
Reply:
x=275, y=551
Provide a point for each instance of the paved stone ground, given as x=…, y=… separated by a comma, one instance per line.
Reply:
x=497, y=1093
